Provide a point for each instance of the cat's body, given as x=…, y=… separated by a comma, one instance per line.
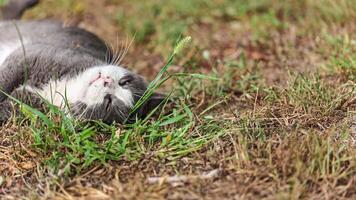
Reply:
x=67, y=66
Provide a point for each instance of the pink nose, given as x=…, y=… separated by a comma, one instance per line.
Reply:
x=108, y=81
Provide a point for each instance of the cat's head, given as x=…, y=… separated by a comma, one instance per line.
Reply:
x=109, y=93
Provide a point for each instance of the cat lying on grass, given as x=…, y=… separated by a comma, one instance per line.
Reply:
x=69, y=67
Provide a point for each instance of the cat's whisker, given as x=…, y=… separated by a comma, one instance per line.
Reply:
x=117, y=51
x=91, y=114
x=73, y=108
x=114, y=56
x=121, y=115
x=141, y=93
x=137, y=95
x=81, y=116
x=77, y=108
x=108, y=53
x=83, y=112
x=127, y=49
x=122, y=48
x=119, y=54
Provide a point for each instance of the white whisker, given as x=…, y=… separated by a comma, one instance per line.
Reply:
x=108, y=53
x=126, y=50
x=120, y=53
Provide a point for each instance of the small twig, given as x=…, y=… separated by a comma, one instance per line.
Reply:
x=255, y=104
x=173, y=179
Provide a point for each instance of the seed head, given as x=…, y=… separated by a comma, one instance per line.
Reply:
x=182, y=44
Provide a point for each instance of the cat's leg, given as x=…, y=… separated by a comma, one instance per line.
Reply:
x=15, y=8
x=10, y=107
x=16, y=69
x=10, y=78
x=39, y=64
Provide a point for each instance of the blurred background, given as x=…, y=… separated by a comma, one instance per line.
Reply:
x=264, y=36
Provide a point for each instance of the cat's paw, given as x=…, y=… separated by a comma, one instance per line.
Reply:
x=3, y=119
x=5, y=111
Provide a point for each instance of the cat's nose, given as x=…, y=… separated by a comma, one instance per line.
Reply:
x=108, y=81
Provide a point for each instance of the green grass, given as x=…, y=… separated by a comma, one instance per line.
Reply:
x=341, y=57
x=71, y=146
x=314, y=97
x=163, y=24
x=2, y=2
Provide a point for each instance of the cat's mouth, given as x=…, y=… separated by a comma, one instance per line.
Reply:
x=107, y=101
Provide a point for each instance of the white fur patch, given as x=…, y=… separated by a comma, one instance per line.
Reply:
x=82, y=89
x=6, y=48
x=9, y=46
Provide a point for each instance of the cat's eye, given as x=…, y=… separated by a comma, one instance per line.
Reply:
x=125, y=80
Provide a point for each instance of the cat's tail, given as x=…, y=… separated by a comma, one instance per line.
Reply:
x=15, y=8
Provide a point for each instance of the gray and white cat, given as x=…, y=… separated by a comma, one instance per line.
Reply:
x=66, y=66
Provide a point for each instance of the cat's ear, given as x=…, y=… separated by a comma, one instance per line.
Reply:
x=155, y=100
x=15, y=8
